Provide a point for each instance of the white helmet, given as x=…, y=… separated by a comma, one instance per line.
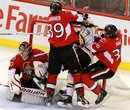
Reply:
x=90, y=20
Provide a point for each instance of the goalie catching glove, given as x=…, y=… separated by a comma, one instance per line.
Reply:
x=40, y=69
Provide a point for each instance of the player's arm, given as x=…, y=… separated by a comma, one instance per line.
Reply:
x=99, y=46
x=79, y=18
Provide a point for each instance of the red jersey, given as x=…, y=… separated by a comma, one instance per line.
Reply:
x=62, y=32
x=108, y=51
x=26, y=66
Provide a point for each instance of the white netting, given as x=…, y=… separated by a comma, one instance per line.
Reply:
x=119, y=84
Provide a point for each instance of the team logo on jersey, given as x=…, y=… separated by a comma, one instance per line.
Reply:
x=28, y=70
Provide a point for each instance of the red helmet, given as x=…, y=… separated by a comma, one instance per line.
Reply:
x=25, y=49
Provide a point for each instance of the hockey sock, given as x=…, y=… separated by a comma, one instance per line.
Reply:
x=70, y=85
x=78, y=83
x=51, y=83
x=92, y=85
x=70, y=89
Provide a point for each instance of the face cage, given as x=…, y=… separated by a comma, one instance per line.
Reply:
x=25, y=52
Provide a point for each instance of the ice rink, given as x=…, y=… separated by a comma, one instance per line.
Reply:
x=114, y=102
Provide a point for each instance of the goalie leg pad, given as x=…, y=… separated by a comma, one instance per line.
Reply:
x=27, y=95
x=13, y=96
x=28, y=98
x=14, y=83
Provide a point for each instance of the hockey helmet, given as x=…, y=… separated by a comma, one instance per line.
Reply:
x=111, y=30
x=55, y=7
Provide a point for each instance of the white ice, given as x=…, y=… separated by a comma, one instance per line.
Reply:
x=113, y=103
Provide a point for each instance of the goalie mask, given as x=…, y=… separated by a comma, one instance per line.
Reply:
x=25, y=50
x=55, y=8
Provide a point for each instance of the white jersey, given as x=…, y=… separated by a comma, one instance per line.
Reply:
x=89, y=34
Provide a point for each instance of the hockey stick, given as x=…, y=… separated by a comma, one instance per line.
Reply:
x=22, y=33
x=40, y=54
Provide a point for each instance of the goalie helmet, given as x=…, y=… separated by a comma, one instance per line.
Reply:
x=25, y=50
x=111, y=30
x=55, y=7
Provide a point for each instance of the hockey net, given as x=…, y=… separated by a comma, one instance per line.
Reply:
x=118, y=85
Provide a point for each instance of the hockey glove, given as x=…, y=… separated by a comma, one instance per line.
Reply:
x=40, y=69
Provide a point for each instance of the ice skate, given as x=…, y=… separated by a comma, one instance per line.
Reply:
x=81, y=100
x=101, y=97
x=48, y=99
x=59, y=96
x=66, y=102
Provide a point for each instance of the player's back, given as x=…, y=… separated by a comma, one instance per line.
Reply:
x=62, y=33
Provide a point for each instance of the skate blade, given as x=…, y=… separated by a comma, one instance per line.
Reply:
x=65, y=105
x=83, y=105
x=48, y=104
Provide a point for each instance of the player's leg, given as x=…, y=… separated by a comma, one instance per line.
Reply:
x=80, y=96
x=90, y=79
x=71, y=61
x=85, y=58
x=69, y=93
x=54, y=67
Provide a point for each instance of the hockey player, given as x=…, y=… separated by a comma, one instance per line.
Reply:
x=108, y=52
x=86, y=35
x=62, y=51
x=28, y=69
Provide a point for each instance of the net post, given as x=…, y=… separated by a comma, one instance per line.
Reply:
x=32, y=28
x=104, y=83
